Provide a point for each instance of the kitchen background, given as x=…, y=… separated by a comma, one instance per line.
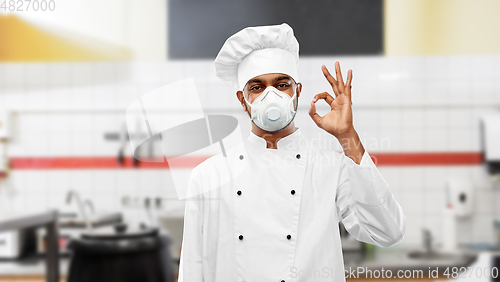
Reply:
x=67, y=77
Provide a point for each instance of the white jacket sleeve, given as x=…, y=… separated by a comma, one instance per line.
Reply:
x=367, y=208
x=191, y=259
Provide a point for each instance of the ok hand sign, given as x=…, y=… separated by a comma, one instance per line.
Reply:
x=338, y=121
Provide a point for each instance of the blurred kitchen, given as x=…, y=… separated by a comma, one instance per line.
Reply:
x=426, y=102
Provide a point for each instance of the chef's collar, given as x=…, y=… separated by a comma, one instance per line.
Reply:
x=292, y=141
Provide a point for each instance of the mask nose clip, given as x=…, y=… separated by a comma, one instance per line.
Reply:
x=273, y=113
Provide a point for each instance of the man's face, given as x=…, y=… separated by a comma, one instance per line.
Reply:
x=258, y=84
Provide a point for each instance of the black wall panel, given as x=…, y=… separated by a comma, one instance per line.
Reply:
x=198, y=28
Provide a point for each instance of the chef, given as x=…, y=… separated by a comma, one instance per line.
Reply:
x=278, y=219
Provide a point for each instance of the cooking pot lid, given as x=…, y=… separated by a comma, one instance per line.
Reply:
x=120, y=231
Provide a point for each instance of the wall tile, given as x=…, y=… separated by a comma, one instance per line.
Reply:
x=413, y=67
x=104, y=95
x=60, y=74
x=81, y=73
x=59, y=145
x=460, y=117
x=35, y=144
x=81, y=122
x=14, y=99
x=104, y=182
x=484, y=202
x=36, y=96
x=108, y=122
x=127, y=181
x=173, y=71
x=107, y=203
x=482, y=229
x=198, y=69
x=15, y=74
x=390, y=140
x=33, y=123
x=105, y=73
x=58, y=123
x=370, y=139
x=36, y=182
x=460, y=90
x=365, y=68
x=81, y=144
x=435, y=67
x=436, y=140
x=413, y=118
x=366, y=91
x=59, y=182
x=366, y=118
x=435, y=177
x=109, y=148
x=83, y=181
x=37, y=73
x=390, y=118
x=460, y=139
x=460, y=172
x=413, y=179
x=2, y=76
x=483, y=67
x=435, y=202
x=149, y=181
x=35, y=202
x=436, y=118
x=81, y=96
x=390, y=92
x=459, y=67
x=412, y=91
x=413, y=140
x=483, y=91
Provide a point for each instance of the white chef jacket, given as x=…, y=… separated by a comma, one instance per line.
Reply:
x=278, y=220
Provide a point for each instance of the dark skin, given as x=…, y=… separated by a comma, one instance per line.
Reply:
x=337, y=122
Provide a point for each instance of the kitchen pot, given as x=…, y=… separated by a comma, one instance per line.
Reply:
x=120, y=254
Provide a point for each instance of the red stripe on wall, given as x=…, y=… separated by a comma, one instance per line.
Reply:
x=95, y=163
x=413, y=159
x=380, y=159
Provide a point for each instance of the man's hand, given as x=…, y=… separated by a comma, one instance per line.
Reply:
x=338, y=121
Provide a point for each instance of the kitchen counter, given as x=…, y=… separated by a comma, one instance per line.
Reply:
x=393, y=260
x=399, y=260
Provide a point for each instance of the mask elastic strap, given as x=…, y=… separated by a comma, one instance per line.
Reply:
x=293, y=97
x=250, y=105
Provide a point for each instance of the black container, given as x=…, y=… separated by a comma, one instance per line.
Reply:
x=120, y=256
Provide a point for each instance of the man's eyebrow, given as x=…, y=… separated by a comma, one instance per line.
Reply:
x=256, y=80
x=283, y=77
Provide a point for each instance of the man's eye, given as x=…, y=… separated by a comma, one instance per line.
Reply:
x=282, y=85
x=255, y=88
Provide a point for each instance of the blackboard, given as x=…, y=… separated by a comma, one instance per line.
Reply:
x=198, y=28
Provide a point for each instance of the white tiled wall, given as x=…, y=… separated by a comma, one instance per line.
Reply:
x=401, y=104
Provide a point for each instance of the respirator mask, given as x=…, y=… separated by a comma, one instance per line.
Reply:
x=273, y=110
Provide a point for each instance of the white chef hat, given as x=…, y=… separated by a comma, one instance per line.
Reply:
x=254, y=51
